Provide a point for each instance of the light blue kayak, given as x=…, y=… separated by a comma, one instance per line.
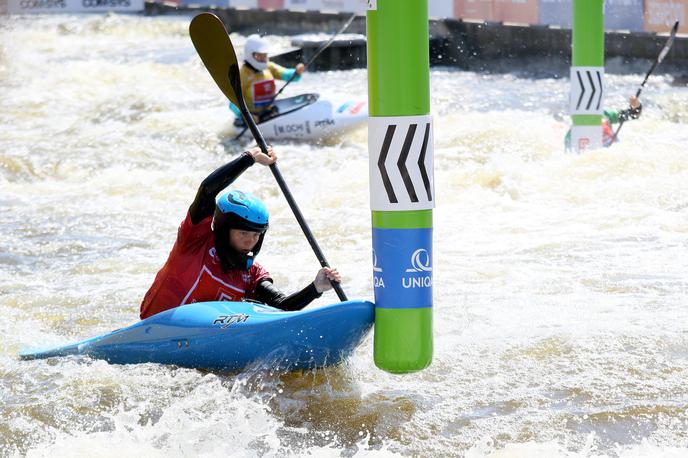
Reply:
x=231, y=336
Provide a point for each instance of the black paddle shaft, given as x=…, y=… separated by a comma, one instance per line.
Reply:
x=235, y=81
x=315, y=55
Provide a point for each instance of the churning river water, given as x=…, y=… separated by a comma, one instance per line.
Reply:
x=560, y=281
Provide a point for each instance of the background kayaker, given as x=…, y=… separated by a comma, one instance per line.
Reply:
x=258, y=75
x=213, y=256
x=611, y=117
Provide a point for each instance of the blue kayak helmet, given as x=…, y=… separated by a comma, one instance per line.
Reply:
x=243, y=211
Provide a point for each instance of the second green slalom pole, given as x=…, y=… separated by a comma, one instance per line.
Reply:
x=587, y=74
x=402, y=194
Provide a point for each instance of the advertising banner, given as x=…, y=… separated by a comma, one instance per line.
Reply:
x=440, y=9
x=556, y=12
x=660, y=15
x=521, y=11
x=219, y=3
x=304, y=5
x=473, y=10
x=623, y=15
x=618, y=14
x=402, y=267
x=73, y=6
x=518, y=11
x=271, y=4
x=243, y=4
x=340, y=6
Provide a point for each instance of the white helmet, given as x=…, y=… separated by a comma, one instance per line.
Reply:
x=255, y=43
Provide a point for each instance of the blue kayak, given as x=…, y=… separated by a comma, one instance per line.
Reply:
x=231, y=336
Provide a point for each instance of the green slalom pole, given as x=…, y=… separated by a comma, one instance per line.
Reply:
x=401, y=182
x=587, y=74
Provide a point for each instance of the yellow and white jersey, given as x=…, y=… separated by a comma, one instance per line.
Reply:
x=259, y=87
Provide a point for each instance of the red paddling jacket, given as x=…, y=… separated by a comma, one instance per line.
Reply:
x=194, y=272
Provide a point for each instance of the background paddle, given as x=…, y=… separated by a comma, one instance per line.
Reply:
x=213, y=45
x=660, y=58
x=317, y=53
x=306, y=65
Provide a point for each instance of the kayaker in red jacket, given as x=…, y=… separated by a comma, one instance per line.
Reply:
x=611, y=117
x=213, y=256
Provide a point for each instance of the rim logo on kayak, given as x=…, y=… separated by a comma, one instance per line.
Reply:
x=226, y=321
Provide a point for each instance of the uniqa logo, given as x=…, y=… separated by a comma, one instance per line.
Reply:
x=375, y=267
x=378, y=281
x=420, y=262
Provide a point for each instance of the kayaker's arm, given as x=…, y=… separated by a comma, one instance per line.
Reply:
x=234, y=109
x=286, y=74
x=631, y=113
x=204, y=203
x=267, y=293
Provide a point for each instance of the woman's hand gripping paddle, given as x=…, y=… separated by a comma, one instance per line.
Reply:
x=660, y=58
x=213, y=45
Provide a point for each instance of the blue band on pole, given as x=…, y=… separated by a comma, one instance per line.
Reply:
x=402, y=268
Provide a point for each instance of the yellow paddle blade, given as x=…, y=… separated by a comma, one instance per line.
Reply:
x=213, y=45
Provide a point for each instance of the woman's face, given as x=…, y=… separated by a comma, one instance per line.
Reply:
x=260, y=56
x=243, y=241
